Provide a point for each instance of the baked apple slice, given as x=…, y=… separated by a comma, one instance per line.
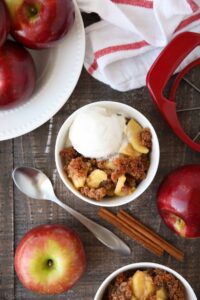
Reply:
x=129, y=151
x=142, y=285
x=119, y=185
x=161, y=294
x=133, y=131
x=95, y=178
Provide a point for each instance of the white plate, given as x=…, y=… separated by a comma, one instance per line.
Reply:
x=58, y=71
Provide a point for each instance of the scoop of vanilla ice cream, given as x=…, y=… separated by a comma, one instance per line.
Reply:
x=97, y=133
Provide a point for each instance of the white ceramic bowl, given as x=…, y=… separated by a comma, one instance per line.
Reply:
x=129, y=112
x=190, y=295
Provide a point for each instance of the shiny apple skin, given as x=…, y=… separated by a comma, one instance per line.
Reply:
x=179, y=194
x=17, y=73
x=4, y=22
x=50, y=242
x=51, y=22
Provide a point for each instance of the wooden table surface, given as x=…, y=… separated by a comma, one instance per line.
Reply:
x=18, y=213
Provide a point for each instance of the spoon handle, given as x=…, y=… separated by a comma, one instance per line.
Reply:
x=104, y=235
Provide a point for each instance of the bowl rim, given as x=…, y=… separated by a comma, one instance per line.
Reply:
x=110, y=277
x=118, y=201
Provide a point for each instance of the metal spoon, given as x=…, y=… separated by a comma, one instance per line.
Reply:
x=36, y=184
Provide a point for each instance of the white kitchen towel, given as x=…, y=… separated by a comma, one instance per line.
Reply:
x=122, y=46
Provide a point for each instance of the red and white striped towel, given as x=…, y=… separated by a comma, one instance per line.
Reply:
x=122, y=46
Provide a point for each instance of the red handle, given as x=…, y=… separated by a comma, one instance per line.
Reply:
x=159, y=74
x=168, y=61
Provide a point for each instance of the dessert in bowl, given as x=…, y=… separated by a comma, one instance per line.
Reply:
x=107, y=153
x=145, y=280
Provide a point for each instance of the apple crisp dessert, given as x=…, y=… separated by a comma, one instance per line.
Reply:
x=152, y=284
x=115, y=176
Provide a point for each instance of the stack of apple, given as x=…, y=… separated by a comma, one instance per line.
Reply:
x=35, y=24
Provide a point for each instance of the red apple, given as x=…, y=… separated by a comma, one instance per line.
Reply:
x=4, y=22
x=50, y=259
x=178, y=201
x=40, y=23
x=17, y=73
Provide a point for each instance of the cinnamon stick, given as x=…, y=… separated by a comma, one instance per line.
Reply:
x=150, y=235
x=131, y=232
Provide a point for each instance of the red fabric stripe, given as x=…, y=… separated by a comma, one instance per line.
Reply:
x=193, y=5
x=140, y=3
x=136, y=45
x=188, y=21
x=93, y=67
x=112, y=49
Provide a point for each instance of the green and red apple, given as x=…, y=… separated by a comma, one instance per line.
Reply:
x=40, y=23
x=50, y=259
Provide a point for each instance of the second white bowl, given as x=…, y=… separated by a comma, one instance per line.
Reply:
x=190, y=295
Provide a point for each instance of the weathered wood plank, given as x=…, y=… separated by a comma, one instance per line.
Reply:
x=6, y=222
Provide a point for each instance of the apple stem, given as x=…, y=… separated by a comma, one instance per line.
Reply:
x=50, y=263
x=33, y=11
